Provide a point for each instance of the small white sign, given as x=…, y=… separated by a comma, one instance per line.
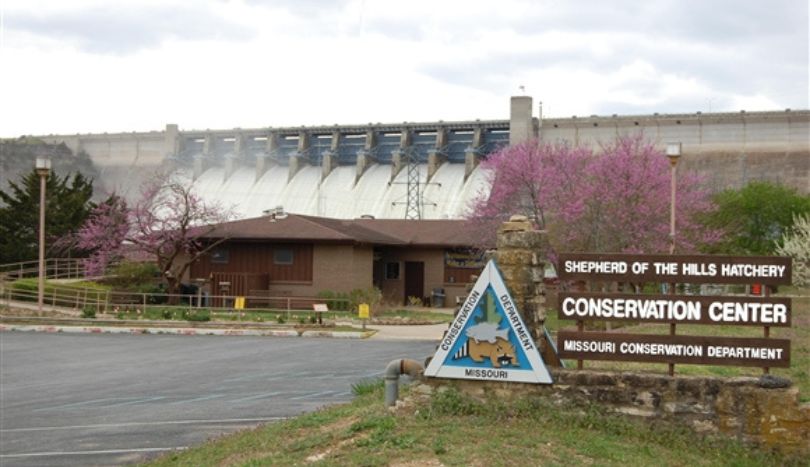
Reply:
x=488, y=340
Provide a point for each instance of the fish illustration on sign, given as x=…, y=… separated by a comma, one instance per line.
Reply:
x=487, y=332
x=487, y=340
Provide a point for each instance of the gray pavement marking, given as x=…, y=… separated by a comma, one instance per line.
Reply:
x=84, y=453
x=311, y=395
x=198, y=399
x=83, y=403
x=167, y=422
x=256, y=397
x=141, y=400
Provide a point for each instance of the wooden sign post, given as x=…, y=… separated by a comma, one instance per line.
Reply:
x=675, y=309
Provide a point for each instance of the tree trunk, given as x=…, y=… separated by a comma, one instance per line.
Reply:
x=173, y=289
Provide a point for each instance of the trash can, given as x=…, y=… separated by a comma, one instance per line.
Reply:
x=438, y=297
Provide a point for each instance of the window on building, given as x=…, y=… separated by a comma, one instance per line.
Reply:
x=219, y=256
x=282, y=256
x=392, y=270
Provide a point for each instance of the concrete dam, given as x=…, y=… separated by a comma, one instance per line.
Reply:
x=426, y=170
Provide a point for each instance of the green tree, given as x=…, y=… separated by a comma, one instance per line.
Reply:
x=67, y=206
x=756, y=217
x=796, y=244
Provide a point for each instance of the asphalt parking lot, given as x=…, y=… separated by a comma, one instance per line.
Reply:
x=104, y=399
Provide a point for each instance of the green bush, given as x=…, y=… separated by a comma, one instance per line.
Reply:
x=336, y=301
x=89, y=311
x=342, y=301
x=196, y=315
x=372, y=296
x=368, y=386
x=130, y=275
x=65, y=294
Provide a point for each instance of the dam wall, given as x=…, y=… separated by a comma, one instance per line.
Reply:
x=730, y=149
x=347, y=171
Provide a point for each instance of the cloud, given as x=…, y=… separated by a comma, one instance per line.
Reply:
x=137, y=64
x=122, y=29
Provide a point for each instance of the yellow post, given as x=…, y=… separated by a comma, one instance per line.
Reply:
x=363, y=313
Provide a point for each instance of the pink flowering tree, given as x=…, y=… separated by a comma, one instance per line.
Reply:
x=103, y=234
x=613, y=200
x=169, y=223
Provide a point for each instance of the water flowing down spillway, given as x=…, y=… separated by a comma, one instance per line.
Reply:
x=446, y=196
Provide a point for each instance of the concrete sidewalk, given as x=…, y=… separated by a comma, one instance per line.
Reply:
x=427, y=332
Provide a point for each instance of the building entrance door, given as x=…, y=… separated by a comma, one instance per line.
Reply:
x=414, y=279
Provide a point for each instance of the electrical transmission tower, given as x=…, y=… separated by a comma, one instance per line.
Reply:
x=414, y=198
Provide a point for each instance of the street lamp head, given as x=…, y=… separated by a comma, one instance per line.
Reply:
x=673, y=152
x=43, y=166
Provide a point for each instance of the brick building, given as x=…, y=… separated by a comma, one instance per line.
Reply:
x=296, y=255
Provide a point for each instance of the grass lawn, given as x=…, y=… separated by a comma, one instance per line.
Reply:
x=183, y=312
x=415, y=315
x=452, y=429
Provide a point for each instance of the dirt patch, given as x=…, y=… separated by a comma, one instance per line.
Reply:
x=419, y=463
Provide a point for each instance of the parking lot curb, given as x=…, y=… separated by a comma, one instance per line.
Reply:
x=180, y=331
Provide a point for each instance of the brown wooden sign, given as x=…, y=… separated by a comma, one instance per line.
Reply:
x=736, y=351
x=693, y=269
x=680, y=309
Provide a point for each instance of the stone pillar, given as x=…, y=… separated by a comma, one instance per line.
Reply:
x=398, y=155
x=171, y=140
x=397, y=161
x=329, y=158
x=202, y=161
x=364, y=160
x=271, y=146
x=239, y=145
x=297, y=161
x=263, y=160
x=471, y=160
x=522, y=126
x=522, y=256
x=435, y=160
x=231, y=163
x=209, y=145
x=328, y=163
x=471, y=156
x=334, y=144
x=303, y=142
x=200, y=164
x=262, y=164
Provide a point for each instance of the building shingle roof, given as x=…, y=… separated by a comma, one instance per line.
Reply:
x=391, y=232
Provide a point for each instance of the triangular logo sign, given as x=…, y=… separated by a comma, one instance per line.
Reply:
x=488, y=339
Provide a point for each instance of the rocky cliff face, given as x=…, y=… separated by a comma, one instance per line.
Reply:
x=17, y=157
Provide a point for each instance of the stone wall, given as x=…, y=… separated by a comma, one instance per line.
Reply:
x=762, y=411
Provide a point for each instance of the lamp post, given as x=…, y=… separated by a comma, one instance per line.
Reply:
x=673, y=153
x=43, y=168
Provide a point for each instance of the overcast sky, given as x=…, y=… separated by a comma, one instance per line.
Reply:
x=70, y=66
